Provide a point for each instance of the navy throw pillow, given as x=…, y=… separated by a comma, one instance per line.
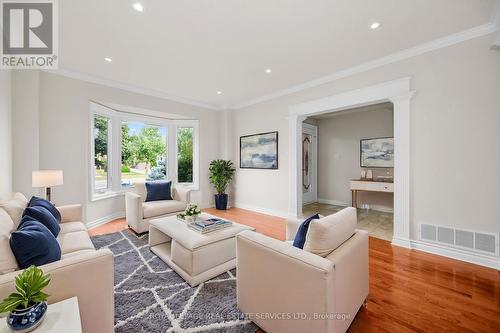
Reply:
x=158, y=190
x=34, y=244
x=36, y=201
x=300, y=237
x=42, y=215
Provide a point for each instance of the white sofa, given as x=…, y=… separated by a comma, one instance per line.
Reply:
x=82, y=271
x=139, y=212
x=285, y=289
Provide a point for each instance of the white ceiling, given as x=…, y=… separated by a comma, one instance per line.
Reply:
x=193, y=48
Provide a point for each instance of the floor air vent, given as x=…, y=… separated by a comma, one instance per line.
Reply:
x=465, y=239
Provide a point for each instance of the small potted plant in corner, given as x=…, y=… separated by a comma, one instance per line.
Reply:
x=28, y=305
x=221, y=174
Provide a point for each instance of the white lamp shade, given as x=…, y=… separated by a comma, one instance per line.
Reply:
x=46, y=178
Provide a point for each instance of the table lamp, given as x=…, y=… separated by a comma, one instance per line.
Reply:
x=47, y=179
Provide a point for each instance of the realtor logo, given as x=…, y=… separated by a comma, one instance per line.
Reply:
x=29, y=31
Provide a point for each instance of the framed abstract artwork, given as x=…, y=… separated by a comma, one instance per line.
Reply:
x=259, y=151
x=377, y=153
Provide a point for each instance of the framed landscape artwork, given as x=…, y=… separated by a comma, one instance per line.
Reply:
x=259, y=151
x=377, y=153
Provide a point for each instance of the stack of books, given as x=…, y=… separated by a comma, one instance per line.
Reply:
x=209, y=225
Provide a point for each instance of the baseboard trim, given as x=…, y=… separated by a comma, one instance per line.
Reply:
x=458, y=254
x=105, y=219
x=377, y=208
x=333, y=202
x=406, y=243
x=262, y=210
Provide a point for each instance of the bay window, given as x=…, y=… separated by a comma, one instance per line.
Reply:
x=143, y=152
x=127, y=148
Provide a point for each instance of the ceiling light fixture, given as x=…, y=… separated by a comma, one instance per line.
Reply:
x=138, y=6
x=374, y=25
x=219, y=92
x=108, y=59
x=268, y=70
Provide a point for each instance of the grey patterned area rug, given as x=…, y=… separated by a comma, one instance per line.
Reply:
x=151, y=297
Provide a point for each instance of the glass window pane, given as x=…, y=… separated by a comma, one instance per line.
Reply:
x=144, y=151
x=185, y=154
x=101, y=144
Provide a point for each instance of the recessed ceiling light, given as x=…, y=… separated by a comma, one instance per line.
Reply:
x=138, y=6
x=108, y=59
x=219, y=92
x=374, y=25
x=268, y=70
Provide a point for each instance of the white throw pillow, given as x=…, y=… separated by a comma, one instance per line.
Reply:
x=328, y=233
x=14, y=205
x=8, y=262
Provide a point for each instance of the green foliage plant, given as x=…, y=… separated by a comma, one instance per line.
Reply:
x=221, y=174
x=29, y=286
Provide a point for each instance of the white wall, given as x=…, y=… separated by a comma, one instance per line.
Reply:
x=25, y=130
x=63, y=139
x=455, y=117
x=5, y=132
x=338, y=154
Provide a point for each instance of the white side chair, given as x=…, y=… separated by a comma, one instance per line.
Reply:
x=139, y=212
x=286, y=283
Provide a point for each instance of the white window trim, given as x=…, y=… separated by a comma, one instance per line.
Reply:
x=114, y=149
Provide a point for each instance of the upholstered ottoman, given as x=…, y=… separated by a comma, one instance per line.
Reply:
x=195, y=257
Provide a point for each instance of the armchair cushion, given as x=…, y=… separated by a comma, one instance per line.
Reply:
x=158, y=190
x=39, y=202
x=42, y=215
x=34, y=244
x=326, y=234
x=158, y=208
x=300, y=237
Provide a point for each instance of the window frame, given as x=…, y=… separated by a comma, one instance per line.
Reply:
x=114, y=149
x=196, y=171
x=102, y=113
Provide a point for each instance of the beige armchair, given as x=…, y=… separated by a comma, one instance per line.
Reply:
x=82, y=271
x=139, y=212
x=285, y=289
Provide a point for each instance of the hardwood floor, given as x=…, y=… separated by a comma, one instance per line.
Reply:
x=109, y=228
x=410, y=291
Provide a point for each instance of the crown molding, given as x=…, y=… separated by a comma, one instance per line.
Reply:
x=130, y=88
x=436, y=44
x=479, y=31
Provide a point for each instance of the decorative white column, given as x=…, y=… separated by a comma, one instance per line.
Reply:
x=295, y=133
x=402, y=213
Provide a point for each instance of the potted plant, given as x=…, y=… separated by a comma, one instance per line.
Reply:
x=28, y=305
x=221, y=174
x=191, y=213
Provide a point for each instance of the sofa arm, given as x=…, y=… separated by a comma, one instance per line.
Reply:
x=88, y=276
x=133, y=209
x=71, y=213
x=289, y=281
x=292, y=226
x=182, y=193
